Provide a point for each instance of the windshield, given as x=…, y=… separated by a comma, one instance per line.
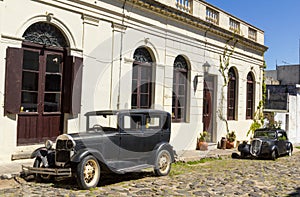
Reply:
x=102, y=122
x=265, y=134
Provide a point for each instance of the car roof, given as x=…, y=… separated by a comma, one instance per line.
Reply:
x=126, y=111
x=269, y=129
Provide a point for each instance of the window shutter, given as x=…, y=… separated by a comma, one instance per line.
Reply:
x=13, y=80
x=73, y=85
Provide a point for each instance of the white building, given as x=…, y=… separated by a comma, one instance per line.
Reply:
x=283, y=99
x=62, y=58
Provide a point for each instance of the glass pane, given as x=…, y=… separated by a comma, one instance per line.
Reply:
x=30, y=81
x=181, y=90
x=53, y=63
x=29, y=102
x=31, y=60
x=145, y=73
x=53, y=83
x=144, y=100
x=135, y=72
x=133, y=100
x=144, y=88
x=134, y=86
x=52, y=102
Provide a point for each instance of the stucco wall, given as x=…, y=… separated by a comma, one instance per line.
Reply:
x=97, y=32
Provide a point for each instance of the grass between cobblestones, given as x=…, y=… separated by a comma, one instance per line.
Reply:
x=184, y=167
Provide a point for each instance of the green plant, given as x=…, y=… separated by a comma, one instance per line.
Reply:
x=223, y=69
x=231, y=136
x=203, y=136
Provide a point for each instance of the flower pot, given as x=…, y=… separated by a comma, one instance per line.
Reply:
x=229, y=145
x=202, y=145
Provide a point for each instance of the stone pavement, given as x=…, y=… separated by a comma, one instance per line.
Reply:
x=12, y=169
x=218, y=177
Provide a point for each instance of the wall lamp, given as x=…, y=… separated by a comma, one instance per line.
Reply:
x=206, y=67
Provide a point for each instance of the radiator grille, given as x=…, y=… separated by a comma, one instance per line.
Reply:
x=255, y=147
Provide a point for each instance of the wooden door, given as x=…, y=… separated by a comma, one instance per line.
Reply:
x=40, y=116
x=208, y=107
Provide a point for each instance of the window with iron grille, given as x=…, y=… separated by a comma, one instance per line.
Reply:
x=179, y=90
x=250, y=96
x=212, y=16
x=231, y=95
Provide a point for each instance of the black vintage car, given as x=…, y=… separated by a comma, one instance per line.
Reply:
x=115, y=141
x=267, y=143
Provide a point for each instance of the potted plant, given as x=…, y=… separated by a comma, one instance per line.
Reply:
x=202, y=144
x=231, y=136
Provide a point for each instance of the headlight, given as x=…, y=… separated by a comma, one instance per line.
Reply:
x=48, y=144
x=70, y=144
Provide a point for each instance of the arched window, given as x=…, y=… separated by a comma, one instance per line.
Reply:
x=179, y=98
x=231, y=95
x=250, y=96
x=141, y=96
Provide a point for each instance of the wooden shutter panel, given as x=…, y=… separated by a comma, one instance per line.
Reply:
x=73, y=85
x=13, y=80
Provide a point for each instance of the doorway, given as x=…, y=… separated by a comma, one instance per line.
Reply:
x=208, y=106
x=40, y=116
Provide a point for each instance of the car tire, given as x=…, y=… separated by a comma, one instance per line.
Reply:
x=88, y=172
x=163, y=163
x=41, y=178
x=273, y=155
x=290, y=152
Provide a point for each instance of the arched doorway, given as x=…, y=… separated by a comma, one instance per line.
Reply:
x=43, y=82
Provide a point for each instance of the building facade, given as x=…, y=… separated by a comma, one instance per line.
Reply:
x=60, y=59
x=283, y=99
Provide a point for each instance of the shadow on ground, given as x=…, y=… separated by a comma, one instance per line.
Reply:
x=296, y=193
x=105, y=180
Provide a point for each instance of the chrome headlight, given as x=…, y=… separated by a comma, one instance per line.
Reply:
x=70, y=144
x=48, y=144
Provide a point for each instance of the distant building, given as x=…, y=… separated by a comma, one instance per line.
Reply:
x=283, y=99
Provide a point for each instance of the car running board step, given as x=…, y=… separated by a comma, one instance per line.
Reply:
x=135, y=168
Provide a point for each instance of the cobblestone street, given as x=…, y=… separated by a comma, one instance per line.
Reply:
x=225, y=177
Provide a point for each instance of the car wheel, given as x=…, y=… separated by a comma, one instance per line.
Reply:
x=41, y=177
x=273, y=155
x=88, y=172
x=163, y=163
x=290, y=152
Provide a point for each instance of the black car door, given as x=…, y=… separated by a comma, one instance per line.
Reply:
x=282, y=139
x=132, y=149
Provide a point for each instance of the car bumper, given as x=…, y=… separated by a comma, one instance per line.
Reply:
x=47, y=171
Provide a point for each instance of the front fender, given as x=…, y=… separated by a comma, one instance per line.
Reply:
x=42, y=151
x=46, y=156
x=82, y=153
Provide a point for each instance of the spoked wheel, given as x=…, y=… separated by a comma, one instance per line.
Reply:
x=41, y=177
x=163, y=163
x=88, y=172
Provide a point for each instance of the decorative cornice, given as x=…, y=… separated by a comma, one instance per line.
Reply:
x=90, y=20
x=118, y=27
x=196, y=22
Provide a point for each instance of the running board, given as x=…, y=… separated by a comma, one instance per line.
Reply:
x=134, y=168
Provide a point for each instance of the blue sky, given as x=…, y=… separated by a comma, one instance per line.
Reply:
x=280, y=20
